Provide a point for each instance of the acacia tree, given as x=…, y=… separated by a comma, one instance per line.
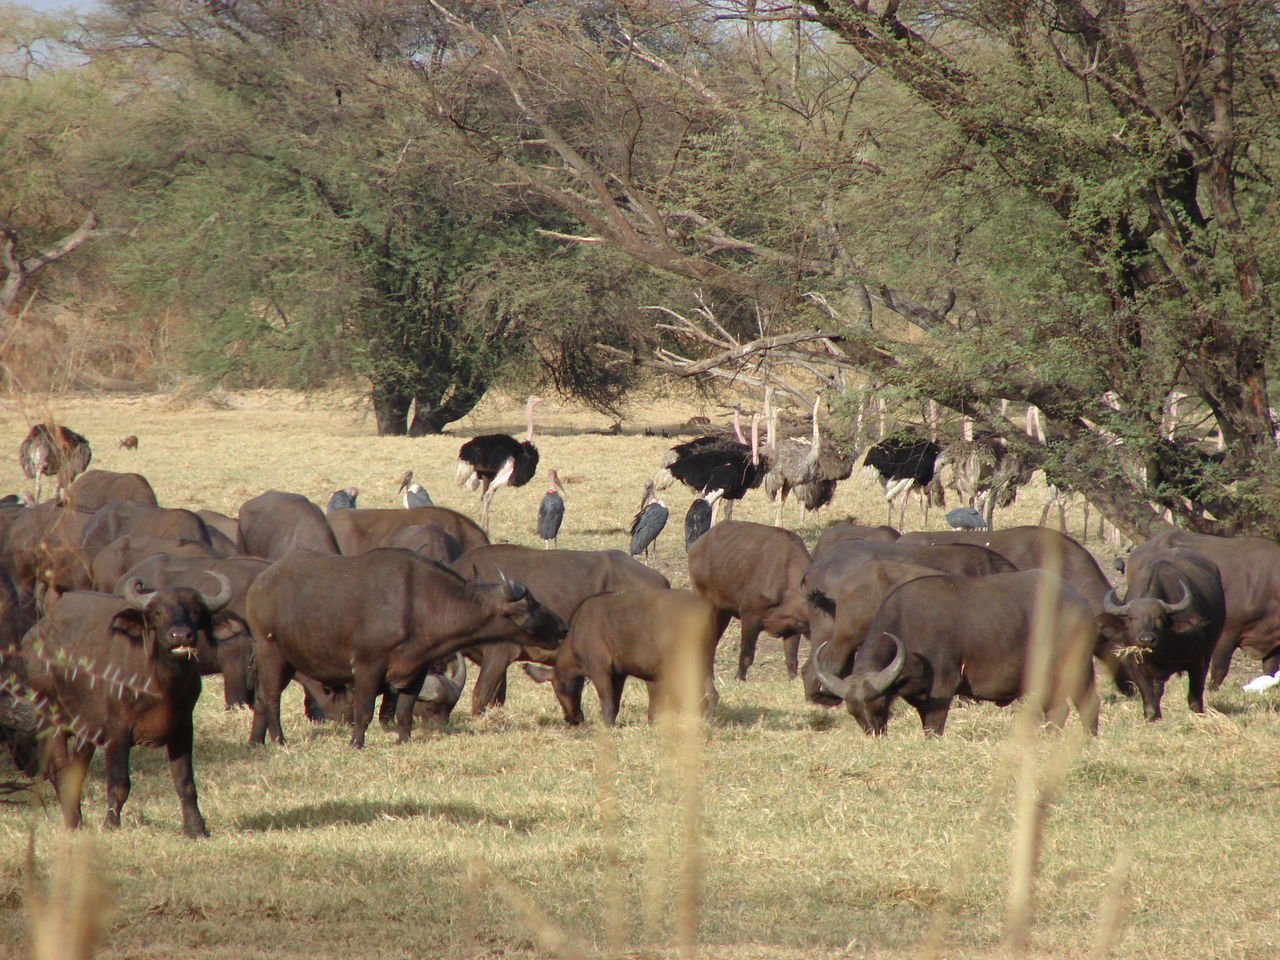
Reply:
x=1086, y=196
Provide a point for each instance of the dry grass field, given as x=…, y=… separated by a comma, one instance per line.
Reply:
x=777, y=830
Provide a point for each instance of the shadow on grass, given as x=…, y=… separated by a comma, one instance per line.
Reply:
x=337, y=812
x=751, y=715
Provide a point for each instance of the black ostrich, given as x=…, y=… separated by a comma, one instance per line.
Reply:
x=648, y=523
x=344, y=499
x=498, y=460
x=714, y=463
x=698, y=520
x=53, y=451
x=413, y=495
x=551, y=511
x=902, y=462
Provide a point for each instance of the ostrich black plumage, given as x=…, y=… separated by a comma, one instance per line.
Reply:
x=551, y=511
x=413, y=495
x=648, y=523
x=54, y=451
x=714, y=463
x=344, y=499
x=498, y=460
x=903, y=462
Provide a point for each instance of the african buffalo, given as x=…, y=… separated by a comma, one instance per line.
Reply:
x=1173, y=612
x=274, y=524
x=227, y=649
x=429, y=539
x=119, y=517
x=1250, y=571
x=636, y=633
x=439, y=694
x=119, y=672
x=42, y=548
x=220, y=523
x=753, y=572
x=96, y=488
x=111, y=562
x=940, y=637
x=848, y=530
x=561, y=580
x=360, y=530
x=381, y=617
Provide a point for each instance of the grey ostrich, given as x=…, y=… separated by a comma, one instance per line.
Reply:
x=808, y=468
x=50, y=450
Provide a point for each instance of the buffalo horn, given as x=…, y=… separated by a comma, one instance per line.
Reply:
x=1111, y=604
x=829, y=682
x=446, y=687
x=510, y=588
x=135, y=595
x=222, y=597
x=880, y=681
x=1181, y=604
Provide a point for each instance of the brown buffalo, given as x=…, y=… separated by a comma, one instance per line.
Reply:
x=274, y=524
x=429, y=539
x=119, y=517
x=96, y=488
x=753, y=572
x=43, y=550
x=848, y=530
x=120, y=672
x=111, y=562
x=561, y=580
x=638, y=633
x=360, y=530
x=381, y=617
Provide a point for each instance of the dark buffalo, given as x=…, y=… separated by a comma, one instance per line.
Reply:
x=119, y=517
x=1250, y=572
x=382, y=617
x=561, y=580
x=274, y=524
x=220, y=523
x=753, y=572
x=839, y=621
x=359, y=530
x=43, y=550
x=120, y=672
x=848, y=530
x=1173, y=612
x=227, y=649
x=937, y=638
x=439, y=695
x=638, y=633
x=97, y=488
x=429, y=539
x=111, y=562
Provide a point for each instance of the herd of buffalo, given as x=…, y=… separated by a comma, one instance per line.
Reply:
x=113, y=607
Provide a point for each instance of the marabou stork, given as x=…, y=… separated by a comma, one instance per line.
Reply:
x=647, y=524
x=551, y=511
x=413, y=494
x=902, y=462
x=713, y=463
x=54, y=451
x=344, y=499
x=498, y=460
x=698, y=520
x=965, y=518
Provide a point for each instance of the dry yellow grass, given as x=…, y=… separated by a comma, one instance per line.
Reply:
x=514, y=836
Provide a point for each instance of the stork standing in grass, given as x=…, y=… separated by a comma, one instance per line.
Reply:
x=413, y=495
x=551, y=511
x=647, y=524
x=344, y=499
x=498, y=460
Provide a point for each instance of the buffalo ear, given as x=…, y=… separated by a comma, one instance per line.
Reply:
x=130, y=623
x=226, y=625
x=540, y=672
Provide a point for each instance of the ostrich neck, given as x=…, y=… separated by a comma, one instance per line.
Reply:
x=528, y=417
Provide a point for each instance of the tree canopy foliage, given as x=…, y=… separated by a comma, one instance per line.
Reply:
x=1069, y=206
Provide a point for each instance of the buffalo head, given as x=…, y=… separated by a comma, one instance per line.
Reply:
x=866, y=691
x=169, y=620
x=1146, y=618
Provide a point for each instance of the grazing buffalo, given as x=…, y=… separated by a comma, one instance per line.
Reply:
x=227, y=649
x=1250, y=571
x=274, y=524
x=753, y=572
x=42, y=549
x=439, y=695
x=839, y=621
x=111, y=562
x=937, y=638
x=96, y=488
x=120, y=672
x=638, y=633
x=359, y=530
x=561, y=580
x=1173, y=612
x=429, y=539
x=119, y=517
x=848, y=530
x=382, y=617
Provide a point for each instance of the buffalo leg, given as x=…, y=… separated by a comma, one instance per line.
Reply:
x=1220, y=664
x=1152, y=690
x=69, y=771
x=116, y=756
x=933, y=715
x=791, y=652
x=1195, y=686
x=405, y=702
x=490, y=689
x=184, y=780
x=1087, y=703
x=609, y=689
x=747, y=651
x=363, y=694
x=266, y=704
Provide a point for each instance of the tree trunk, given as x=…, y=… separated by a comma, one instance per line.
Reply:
x=391, y=408
x=432, y=414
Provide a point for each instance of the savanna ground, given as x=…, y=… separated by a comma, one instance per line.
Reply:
x=515, y=836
